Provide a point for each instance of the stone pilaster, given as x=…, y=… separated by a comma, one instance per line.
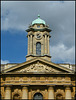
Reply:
x=68, y=93
x=51, y=93
x=46, y=94
x=30, y=95
x=8, y=93
x=34, y=46
x=45, y=44
x=48, y=46
x=31, y=43
x=28, y=45
x=24, y=93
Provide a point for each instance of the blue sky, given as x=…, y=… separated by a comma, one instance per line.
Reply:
x=13, y=46
x=16, y=17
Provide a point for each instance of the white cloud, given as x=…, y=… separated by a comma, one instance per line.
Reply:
x=61, y=53
x=21, y=13
x=59, y=15
x=5, y=61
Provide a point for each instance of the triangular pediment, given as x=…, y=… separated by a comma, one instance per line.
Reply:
x=38, y=65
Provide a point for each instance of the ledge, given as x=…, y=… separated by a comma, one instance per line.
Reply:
x=44, y=29
x=38, y=55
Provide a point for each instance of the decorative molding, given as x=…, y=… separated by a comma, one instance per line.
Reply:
x=59, y=91
x=17, y=91
x=37, y=91
x=38, y=68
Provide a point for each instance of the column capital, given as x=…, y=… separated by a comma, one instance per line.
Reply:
x=67, y=87
x=30, y=34
x=48, y=35
x=8, y=88
x=45, y=34
x=24, y=87
x=50, y=88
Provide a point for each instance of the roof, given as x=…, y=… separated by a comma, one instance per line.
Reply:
x=27, y=63
x=38, y=21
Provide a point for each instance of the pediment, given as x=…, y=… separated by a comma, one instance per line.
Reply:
x=38, y=65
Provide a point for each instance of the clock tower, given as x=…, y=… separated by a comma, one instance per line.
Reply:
x=38, y=40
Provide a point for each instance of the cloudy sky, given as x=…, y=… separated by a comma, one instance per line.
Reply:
x=16, y=16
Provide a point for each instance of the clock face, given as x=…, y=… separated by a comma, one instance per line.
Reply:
x=38, y=35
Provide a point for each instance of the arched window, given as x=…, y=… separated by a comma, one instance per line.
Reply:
x=38, y=96
x=38, y=48
x=59, y=97
x=16, y=97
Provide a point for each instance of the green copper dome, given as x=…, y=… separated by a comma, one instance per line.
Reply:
x=38, y=21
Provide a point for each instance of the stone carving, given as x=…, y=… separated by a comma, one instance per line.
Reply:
x=16, y=94
x=59, y=91
x=38, y=68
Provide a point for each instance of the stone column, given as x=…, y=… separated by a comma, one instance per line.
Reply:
x=51, y=93
x=45, y=44
x=30, y=95
x=8, y=93
x=28, y=45
x=46, y=94
x=34, y=46
x=31, y=44
x=48, y=46
x=68, y=93
x=24, y=93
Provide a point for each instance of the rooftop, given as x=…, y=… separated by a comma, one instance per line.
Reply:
x=38, y=21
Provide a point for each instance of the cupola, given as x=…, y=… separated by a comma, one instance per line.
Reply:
x=38, y=21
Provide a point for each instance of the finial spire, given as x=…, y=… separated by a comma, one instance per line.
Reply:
x=38, y=15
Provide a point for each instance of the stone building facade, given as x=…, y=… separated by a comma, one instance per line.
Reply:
x=38, y=77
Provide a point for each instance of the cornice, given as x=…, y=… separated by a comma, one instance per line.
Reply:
x=33, y=29
x=41, y=60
